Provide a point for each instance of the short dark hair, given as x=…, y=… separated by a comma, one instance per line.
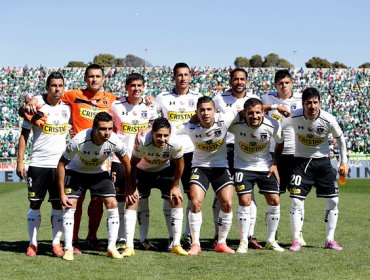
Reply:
x=160, y=123
x=180, y=65
x=94, y=66
x=101, y=117
x=252, y=102
x=205, y=99
x=238, y=69
x=309, y=93
x=281, y=74
x=134, y=77
x=54, y=75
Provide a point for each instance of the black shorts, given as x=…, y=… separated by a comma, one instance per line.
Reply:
x=219, y=177
x=41, y=180
x=230, y=158
x=285, y=168
x=316, y=172
x=245, y=180
x=185, y=177
x=118, y=178
x=99, y=184
x=161, y=180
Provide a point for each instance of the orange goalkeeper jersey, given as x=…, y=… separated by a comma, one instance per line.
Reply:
x=84, y=106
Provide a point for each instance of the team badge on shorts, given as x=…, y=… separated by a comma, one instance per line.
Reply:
x=67, y=191
x=295, y=191
x=240, y=187
x=194, y=177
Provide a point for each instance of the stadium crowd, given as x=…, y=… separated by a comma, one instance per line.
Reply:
x=345, y=92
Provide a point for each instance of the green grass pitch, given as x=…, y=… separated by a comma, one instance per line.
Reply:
x=312, y=262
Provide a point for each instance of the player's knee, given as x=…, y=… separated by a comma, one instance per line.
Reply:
x=35, y=205
x=332, y=203
x=245, y=200
x=296, y=205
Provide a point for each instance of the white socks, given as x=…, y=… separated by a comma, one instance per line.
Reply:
x=68, y=222
x=121, y=230
x=112, y=227
x=331, y=217
x=195, y=222
x=143, y=218
x=33, y=222
x=253, y=218
x=56, y=225
x=187, y=221
x=177, y=215
x=244, y=220
x=224, y=225
x=272, y=222
x=130, y=222
x=296, y=216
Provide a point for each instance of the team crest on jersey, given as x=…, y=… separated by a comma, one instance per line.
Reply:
x=144, y=114
x=166, y=154
x=263, y=136
x=105, y=102
x=107, y=153
x=293, y=106
x=64, y=114
x=191, y=103
x=217, y=132
x=320, y=130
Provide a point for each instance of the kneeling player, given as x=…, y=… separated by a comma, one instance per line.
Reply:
x=86, y=155
x=253, y=164
x=151, y=168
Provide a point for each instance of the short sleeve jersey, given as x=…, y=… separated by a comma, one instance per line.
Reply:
x=294, y=102
x=209, y=143
x=226, y=101
x=49, y=141
x=84, y=106
x=128, y=120
x=87, y=157
x=154, y=159
x=311, y=136
x=178, y=109
x=252, y=145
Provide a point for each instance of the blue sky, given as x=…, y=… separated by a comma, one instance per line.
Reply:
x=203, y=33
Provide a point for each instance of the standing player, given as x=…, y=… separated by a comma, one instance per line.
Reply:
x=234, y=98
x=278, y=104
x=151, y=169
x=48, y=144
x=178, y=106
x=253, y=164
x=209, y=165
x=312, y=165
x=85, y=156
x=130, y=114
x=85, y=104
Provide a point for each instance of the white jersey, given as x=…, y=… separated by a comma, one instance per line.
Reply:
x=226, y=101
x=154, y=159
x=252, y=145
x=128, y=120
x=311, y=136
x=86, y=157
x=49, y=141
x=178, y=109
x=294, y=102
x=209, y=143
